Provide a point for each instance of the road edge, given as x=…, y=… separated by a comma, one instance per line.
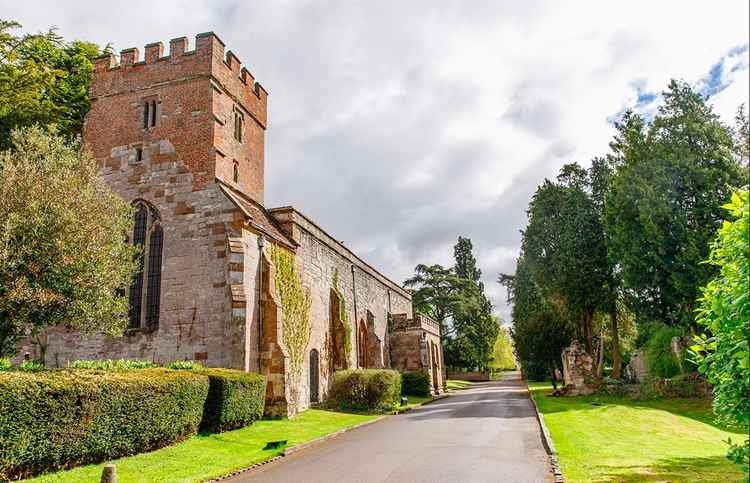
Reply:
x=547, y=442
x=321, y=439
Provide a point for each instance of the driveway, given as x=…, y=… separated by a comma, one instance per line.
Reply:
x=486, y=433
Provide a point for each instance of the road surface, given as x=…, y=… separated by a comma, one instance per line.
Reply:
x=486, y=433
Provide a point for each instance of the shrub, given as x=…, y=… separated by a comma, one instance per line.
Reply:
x=31, y=366
x=62, y=418
x=185, y=365
x=5, y=364
x=661, y=361
x=235, y=399
x=109, y=364
x=415, y=384
x=365, y=390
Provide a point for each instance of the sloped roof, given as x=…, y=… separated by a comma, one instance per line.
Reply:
x=258, y=217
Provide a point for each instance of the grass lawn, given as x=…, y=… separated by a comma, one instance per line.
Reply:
x=456, y=384
x=207, y=456
x=608, y=438
x=414, y=401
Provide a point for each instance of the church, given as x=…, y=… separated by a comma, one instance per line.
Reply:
x=223, y=279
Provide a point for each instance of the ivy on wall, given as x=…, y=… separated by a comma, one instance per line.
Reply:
x=343, y=316
x=295, y=303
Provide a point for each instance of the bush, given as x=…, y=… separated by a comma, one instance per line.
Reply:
x=235, y=399
x=185, y=365
x=365, y=390
x=31, y=366
x=661, y=361
x=415, y=384
x=109, y=364
x=62, y=418
x=5, y=364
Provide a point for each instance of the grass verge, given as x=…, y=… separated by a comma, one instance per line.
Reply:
x=608, y=438
x=204, y=457
x=456, y=384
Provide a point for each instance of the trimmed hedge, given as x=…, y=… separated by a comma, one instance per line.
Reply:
x=235, y=399
x=365, y=389
x=415, y=384
x=62, y=418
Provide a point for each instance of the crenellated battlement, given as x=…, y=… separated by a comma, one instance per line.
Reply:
x=208, y=57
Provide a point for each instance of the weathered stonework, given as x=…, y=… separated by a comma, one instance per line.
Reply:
x=578, y=370
x=164, y=131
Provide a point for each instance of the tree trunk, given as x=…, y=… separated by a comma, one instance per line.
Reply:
x=600, y=355
x=588, y=332
x=616, y=356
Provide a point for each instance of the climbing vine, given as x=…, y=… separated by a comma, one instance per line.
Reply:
x=295, y=303
x=343, y=316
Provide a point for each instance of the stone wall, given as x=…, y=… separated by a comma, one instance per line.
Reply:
x=415, y=347
x=195, y=317
x=578, y=369
x=367, y=295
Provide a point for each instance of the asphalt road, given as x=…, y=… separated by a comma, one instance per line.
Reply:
x=486, y=433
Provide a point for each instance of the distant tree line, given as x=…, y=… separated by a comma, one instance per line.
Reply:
x=622, y=244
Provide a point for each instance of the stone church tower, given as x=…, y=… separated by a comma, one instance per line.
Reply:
x=181, y=137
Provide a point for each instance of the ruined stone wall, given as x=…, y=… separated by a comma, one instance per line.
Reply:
x=368, y=297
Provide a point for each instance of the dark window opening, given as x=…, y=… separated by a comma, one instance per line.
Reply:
x=145, y=291
x=153, y=113
x=149, y=114
x=146, y=116
x=138, y=155
x=136, y=289
x=235, y=172
x=154, y=277
x=239, y=124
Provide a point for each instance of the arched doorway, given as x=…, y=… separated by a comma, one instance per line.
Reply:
x=314, y=376
x=435, y=369
x=362, y=348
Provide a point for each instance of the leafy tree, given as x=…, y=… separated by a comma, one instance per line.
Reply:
x=664, y=203
x=503, y=351
x=63, y=254
x=455, y=298
x=564, y=247
x=539, y=332
x=724, y=312
x=43, y=80
x=440, y=294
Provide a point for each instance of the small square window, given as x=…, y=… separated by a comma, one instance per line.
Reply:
x=138, y=154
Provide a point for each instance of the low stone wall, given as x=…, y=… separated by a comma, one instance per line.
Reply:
x=473, y=376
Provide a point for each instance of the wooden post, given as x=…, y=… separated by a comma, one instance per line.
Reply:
x=109, y=474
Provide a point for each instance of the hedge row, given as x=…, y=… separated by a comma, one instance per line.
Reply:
x=365, y=389
x=235, y=399
x=56, y=419
x=63, y=418
x=415, y=384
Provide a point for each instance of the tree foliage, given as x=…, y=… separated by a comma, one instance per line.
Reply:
x=455, y=298
x=724, y=312
x=665, y=201
x=43, y=80
x=502, y=357
x=64, y=259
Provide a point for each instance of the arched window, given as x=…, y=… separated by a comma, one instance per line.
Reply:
x=144, y=305
x=235, y=172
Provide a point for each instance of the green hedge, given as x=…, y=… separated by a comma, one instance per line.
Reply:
x=235, y=399
x=415, y=384
x=63, y=418
x=365, y=390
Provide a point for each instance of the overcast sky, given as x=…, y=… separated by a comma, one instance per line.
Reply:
x=399, y=126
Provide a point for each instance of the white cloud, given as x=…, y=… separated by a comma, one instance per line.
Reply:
x=400, y=125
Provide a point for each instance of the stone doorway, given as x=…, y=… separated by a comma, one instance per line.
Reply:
x=337, y=358
x=435, y=369
x=314, y=376
x=362, y=348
